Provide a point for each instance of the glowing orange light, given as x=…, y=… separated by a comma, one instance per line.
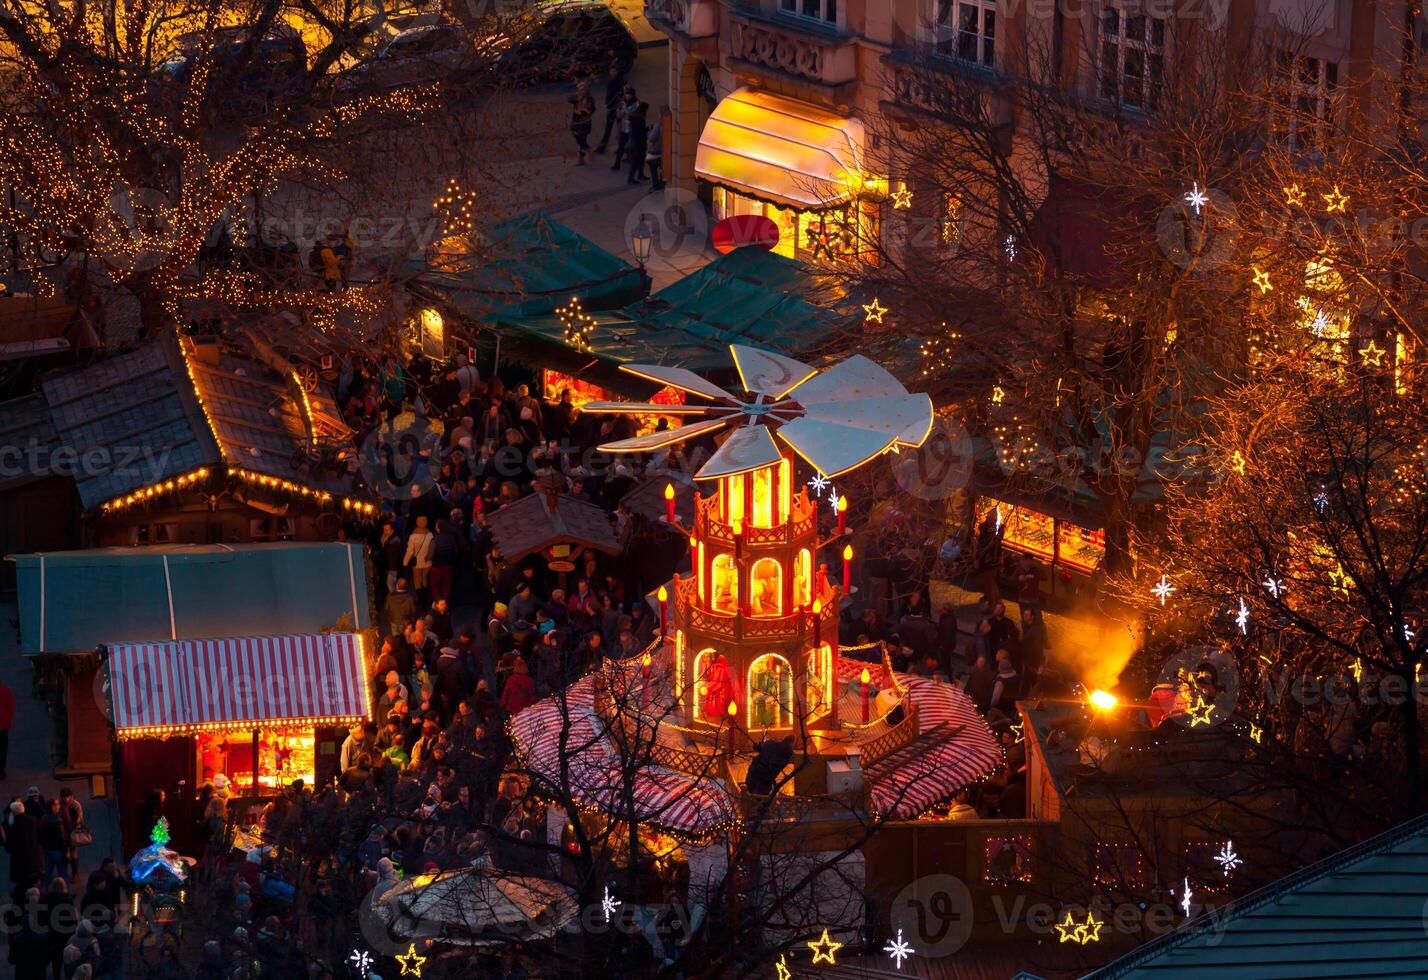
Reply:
x=843, y=503
x=866, y=676
x=1103, y=700
x=817, y=606
x=645, y=660
x=847, y=552
x=662, y=594
x=669, y=491
x=733, y=710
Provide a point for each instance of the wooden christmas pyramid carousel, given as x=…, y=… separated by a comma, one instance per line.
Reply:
x=749, y=640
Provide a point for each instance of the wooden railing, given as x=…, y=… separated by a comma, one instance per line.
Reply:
x=902, y=734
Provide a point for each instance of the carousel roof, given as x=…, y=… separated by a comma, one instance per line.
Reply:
x=837, y=419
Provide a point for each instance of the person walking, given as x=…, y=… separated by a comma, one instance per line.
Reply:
x=614, y=96
x=7, y=718
x=582, y=119
x=654, y=151
x=52, y=842
x=418, y=555
x=444, y=548
x=639, y=140
x=627, y=106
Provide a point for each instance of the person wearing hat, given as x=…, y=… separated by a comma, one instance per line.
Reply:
x=498, y=631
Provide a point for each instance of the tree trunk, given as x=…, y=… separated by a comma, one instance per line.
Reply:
x=1117, y=528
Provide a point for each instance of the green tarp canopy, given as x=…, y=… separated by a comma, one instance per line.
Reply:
x=539, y=265
x=748, y=296
x=72, y=601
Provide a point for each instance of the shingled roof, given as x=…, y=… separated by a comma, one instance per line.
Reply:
x=139, y=417
x=1358, y=913
x=532, y=524
x=136, y=410
x=25, y=423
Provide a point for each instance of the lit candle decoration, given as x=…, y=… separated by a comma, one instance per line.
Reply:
x=645, y=662
x=663, y=596
x=847, y=568
x=733, y=716
x=817, y=623
x=866, y=677
x=842, y=513
x=669, y=502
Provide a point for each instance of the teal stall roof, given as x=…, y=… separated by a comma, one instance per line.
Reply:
x=71, y=601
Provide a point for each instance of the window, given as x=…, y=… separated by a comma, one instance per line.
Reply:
x=726, y=585
x=771, y=489
x=770, y=692
x=1303, y=102
x=1120, y=865
x=967, y=31
x=818, y=681
x=825, y=10
x=1007, y=859
x=803, y=579
x=1132, y=57
x=679, y=664
x=732, y=496
x=766, y=588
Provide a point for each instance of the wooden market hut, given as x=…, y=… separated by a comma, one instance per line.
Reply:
x=557, y=527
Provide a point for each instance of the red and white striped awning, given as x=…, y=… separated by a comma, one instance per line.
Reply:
x=565, y=742
x=179, y=686
x=961, y=752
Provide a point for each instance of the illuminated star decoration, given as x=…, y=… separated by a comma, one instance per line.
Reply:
x=1162, y=589
x=1066, y=931
x=874, y=311
x=1200, y=712
x=361, y=961
x=1242, y=616
x=1185, y=898
x=1009, y=247
x=1321, y=501
x=902, y=198
x=1274, y=586
x=411, y=963
x=818, y=484
x=1261, y=279
x=898, y=949
x=824, y=949
x=609, y=905
x=1256, y=733
x=1372, y=354
x=1335, y=200
x=1196, y=198
x=1294, y=195
x=1227, y=858
x=1019, y=730
x=1079, y=932
x=1320, y=326
x=782, y=967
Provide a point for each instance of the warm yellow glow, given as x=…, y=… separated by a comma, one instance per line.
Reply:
x=679, y=665
x=842, y=503
x=866, y=677
x=699, y=572
x=785, y=491
x=646, y=660
x=766, y=588
x=1103, y=700
x=847, y=552
x=738, y=527
x=763, y=497
x=732, y=494
x=733, y=710
x=726, y=584
x=770, y=692
x=817, y=606
x=433, y=333
x=663, y=594
x=803, y=578
x=669, y=491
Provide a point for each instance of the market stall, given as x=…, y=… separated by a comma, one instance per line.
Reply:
x=260, y=711
x=1066, y=547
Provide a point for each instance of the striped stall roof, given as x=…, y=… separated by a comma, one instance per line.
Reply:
x=567, y=726
x=178, y=686
x=955, y=748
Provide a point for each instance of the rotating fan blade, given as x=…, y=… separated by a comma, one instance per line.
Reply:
x=747, y=448
x=833, y=448
x=895, y=416
x=620, y=408
x=857, y=377
x=681, y=378
x=658, y=440
x=767, y=373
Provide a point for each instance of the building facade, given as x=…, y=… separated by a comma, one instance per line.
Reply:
x=777, y=105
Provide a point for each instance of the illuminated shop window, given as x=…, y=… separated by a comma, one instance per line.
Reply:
x=1007, y=859
x=803, y=578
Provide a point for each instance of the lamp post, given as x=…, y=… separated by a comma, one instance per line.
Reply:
x=641, y=241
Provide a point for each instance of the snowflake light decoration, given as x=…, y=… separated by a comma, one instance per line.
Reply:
x=1186, y=897
x=609, y=906
x=361, y=961
x=1162, y=589
x=1274, y=586
x=1009, y=247
x=1242, y=617
x=1319, y=327
x=898, y=949
x=1227, y=858
x=1196, y=198
x=818, y=484
x=833, y=499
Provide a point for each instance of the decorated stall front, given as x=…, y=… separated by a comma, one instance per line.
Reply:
x=257, y=713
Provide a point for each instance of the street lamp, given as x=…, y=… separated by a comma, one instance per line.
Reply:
x=641, y=241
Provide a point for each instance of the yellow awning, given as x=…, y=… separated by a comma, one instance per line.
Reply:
x=780, y=149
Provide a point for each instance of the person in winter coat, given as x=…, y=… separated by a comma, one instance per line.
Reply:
x=519, y=691
x=418, y=554
x=399, y=608
x=393, y=548
x=444, y=548
x=654, y=151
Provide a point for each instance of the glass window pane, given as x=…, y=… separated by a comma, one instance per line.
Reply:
x=1135, y=27
x=1111, y=21
x=1157, y=32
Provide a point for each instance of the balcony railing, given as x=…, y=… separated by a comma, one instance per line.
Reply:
x=943, y=86
x=710, y=527
x=794, y=46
